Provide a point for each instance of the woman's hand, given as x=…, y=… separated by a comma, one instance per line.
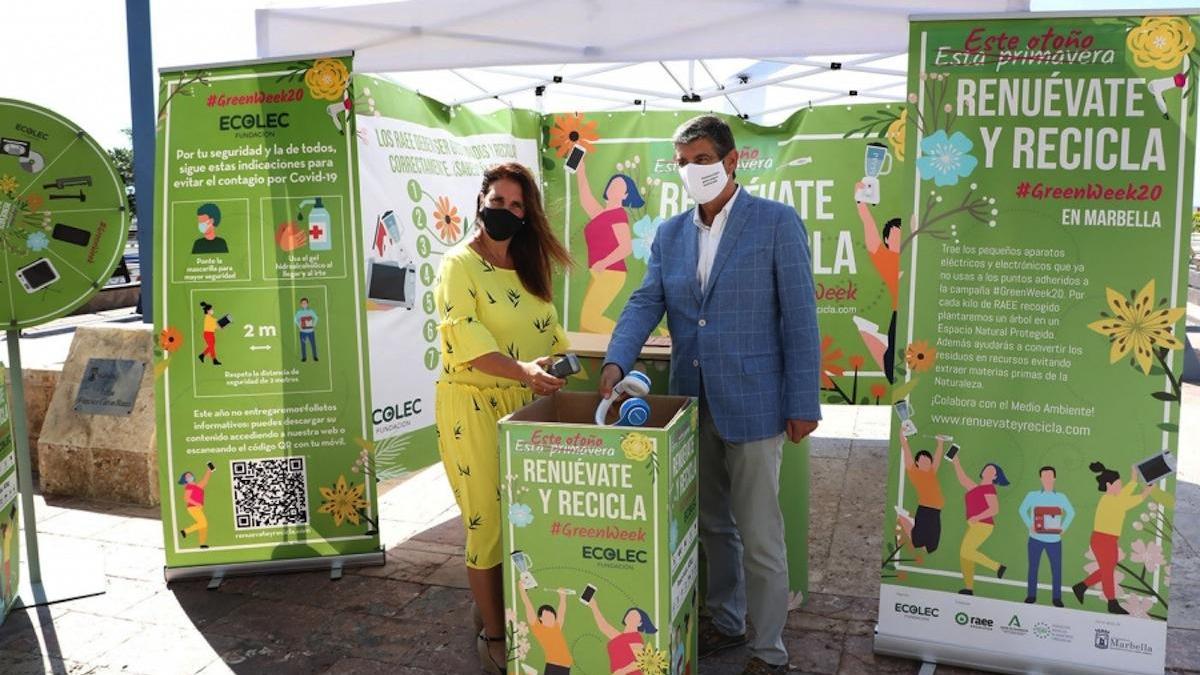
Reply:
x=537, y=379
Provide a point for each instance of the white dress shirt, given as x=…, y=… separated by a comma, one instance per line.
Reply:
x=710, y=239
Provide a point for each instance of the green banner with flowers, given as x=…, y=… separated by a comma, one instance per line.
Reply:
x=611, y=180
x=262, y=369
x=1032, y=465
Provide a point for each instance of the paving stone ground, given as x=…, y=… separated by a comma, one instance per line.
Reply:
x=412, y=616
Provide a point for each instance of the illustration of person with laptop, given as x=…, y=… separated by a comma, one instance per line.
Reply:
x=211, y=325
x=1047, y=514
x=306, y=320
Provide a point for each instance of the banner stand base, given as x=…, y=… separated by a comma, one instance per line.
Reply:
x=933, y=653
x=218, y=573
x=71, y=575
x=927, y=668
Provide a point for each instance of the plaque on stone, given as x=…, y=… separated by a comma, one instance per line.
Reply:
x=109, y=386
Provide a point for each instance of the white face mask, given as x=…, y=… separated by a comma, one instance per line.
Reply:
x=704, y=182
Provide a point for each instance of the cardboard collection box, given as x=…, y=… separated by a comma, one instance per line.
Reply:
x=600, y=538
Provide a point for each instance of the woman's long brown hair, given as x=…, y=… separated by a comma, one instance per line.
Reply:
x=534, y=249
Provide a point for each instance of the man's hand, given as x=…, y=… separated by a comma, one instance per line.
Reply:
x=798, y=430
x=609, y=377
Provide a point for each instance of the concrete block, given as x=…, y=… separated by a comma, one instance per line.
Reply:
x=105, y=457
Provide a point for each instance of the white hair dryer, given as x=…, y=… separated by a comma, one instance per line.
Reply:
x=635, y=411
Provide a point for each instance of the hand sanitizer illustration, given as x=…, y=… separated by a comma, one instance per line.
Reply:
x=320, y=235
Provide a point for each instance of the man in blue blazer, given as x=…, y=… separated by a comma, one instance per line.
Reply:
x=734, y=278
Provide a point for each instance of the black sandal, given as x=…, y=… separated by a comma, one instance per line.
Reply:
x=486, y=661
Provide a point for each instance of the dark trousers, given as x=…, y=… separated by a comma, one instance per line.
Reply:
x=1053, y=551
x=307, y=338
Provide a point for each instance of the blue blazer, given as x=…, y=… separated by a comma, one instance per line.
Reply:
x=752, y=333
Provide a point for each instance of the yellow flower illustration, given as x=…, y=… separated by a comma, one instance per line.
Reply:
x=651, y=661
x=343, y=501
x=637, y=447
x=1136, y=325
x=895, y=135
x=8, y=183
x=1161, y=42
x=327, y=79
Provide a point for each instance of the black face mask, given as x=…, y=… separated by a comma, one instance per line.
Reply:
x=501, y=224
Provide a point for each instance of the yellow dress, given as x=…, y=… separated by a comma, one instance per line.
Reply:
x=483, y=309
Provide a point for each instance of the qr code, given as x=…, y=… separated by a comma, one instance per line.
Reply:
x=269, y=492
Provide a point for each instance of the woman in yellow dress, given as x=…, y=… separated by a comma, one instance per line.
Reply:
x=499, y=329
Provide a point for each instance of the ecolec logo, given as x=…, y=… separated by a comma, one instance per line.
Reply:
x=918, y=611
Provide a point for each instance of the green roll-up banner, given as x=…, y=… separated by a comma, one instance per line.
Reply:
x=420, y=164
x=1041, y=320
x=10, y=546
x=262, y=372
x=611, y=180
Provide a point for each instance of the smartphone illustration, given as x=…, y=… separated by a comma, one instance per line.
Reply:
x=37, y=275
x=71, y=235
x=575, y=158
x=588, y=592
x=953, y=451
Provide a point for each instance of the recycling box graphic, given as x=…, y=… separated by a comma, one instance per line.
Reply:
x=601, y=541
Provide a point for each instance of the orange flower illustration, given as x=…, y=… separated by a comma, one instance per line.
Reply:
x=856, y=362
x=830, y=356
x=572, y=130
x=34, y=202
x=920, y=356
x=447, y=220
x=170, y=339
x=878, y=391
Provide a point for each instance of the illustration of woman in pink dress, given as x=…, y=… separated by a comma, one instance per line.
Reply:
x=609, y=243
x=624, y=645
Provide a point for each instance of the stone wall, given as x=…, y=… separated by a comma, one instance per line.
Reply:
x=39, y=389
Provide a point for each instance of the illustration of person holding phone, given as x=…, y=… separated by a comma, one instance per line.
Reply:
x=210, y=328
x=982, y=505
x=609, y=243
x=306, y=321
x=885, y=256
x=924, y=530
x=547, y=627
x=624, y=645
x=208, y=218
x=1047, y=514
x=1116, y=502
x=193, y=495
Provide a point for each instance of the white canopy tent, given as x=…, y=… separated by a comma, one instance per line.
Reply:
x=622, y=54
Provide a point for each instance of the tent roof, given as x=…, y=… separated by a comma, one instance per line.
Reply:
x=425, y=34
x=621, y=54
